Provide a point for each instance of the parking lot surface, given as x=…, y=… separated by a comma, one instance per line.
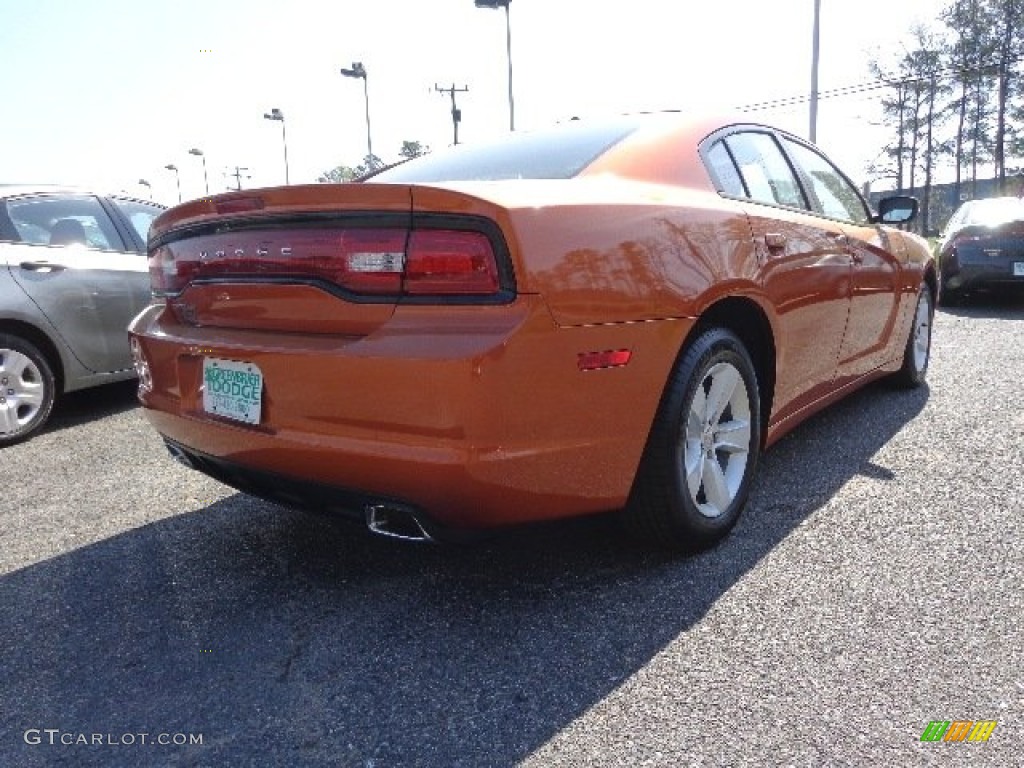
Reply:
x=874, y=584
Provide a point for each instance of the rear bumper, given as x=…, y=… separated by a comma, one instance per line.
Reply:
x=477, y=420
x=961, y=274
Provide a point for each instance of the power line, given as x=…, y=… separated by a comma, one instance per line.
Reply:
x=874, y=85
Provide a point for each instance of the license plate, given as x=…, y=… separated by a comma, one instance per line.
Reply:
x=232, y=389
x=1018, y=269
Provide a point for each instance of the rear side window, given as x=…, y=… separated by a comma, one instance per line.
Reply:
x=723, y=171
x=63, y=220
x=765, y=170
x=139, y=215
x=557, y=153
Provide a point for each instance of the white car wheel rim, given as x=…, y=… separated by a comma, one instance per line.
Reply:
x=21, y=391
x=717, y=446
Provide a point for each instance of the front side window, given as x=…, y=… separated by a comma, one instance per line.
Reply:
x=836, y=197
x=63, y=220
x=764, y=169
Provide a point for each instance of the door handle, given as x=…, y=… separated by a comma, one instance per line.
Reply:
x=41, y=266
x=775, y=241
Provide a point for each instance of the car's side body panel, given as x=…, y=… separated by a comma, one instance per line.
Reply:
x=87, y=295
x=21, y=315
x=805, y=275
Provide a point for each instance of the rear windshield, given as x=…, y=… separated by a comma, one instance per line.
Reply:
x=995, y=211
x=554, y=153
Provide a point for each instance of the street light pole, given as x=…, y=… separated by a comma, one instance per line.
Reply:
x=148, y=186
x=495, y=4
x=358, y=71
x=177, y=176
x=813, y=132
x=278, y=115
x=206, y=179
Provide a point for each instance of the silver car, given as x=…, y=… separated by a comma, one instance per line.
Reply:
x=73, y=273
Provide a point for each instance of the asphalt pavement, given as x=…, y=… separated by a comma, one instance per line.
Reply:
x=873, y=585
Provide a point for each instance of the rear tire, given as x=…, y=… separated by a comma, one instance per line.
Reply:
x=703, y=447
x=27, y=389
x=949, y=297
x=917, y=353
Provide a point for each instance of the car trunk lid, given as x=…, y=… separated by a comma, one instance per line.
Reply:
x=331, y=259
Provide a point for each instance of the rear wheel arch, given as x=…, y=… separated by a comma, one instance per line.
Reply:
x=749, y=321
x=42, y=342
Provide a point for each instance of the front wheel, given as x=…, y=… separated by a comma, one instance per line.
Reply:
x=917, y=352
x=703, y=447
x=27, y=389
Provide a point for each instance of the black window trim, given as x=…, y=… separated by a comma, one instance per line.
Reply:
x=813, y=205
x=125, y=227
x=743, y=128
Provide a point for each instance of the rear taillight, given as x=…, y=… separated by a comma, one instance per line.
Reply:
x=979, y=235
x=372, y=262
x=962, y=239
x=448, y=262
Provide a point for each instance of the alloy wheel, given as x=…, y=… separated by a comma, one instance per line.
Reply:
x=717, y=443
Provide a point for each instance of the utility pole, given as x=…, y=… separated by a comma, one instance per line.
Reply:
x=815, y=37
x=238, y=176
x=456, y=112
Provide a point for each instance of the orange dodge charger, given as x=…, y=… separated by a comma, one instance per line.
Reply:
x=610, y=315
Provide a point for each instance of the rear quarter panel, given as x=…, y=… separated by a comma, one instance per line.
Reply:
x=612, y=250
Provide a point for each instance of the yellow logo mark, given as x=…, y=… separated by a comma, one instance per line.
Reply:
x=958, y=730
x=982, y=730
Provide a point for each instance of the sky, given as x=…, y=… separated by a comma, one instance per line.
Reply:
x=103, y=93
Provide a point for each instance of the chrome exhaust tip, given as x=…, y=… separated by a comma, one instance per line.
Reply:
x=395, y=522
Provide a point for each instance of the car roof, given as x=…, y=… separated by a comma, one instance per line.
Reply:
x=20, y=190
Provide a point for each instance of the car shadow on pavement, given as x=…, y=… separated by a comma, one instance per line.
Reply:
x=85, y=405
x=997, y=306
x=287, y=639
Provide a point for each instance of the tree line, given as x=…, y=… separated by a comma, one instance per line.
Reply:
x=956, y=97
x=342, y=173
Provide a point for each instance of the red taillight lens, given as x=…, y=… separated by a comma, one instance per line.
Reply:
x=443, y=262
x=168, y=273
x=388, y=262
x=961, y=239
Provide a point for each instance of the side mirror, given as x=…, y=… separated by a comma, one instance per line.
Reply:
x=898, y=209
